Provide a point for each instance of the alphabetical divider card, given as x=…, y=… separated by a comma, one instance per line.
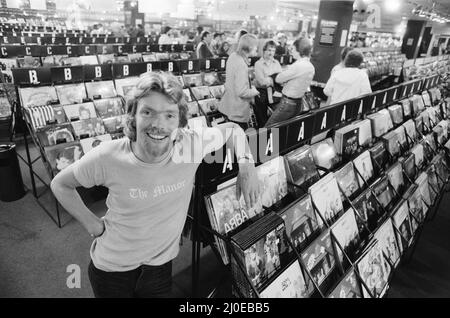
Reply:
x=324, y=119
x=97, y=72
x=32, y=76
x=299, y=130
x=67, y=74
x=122, y=70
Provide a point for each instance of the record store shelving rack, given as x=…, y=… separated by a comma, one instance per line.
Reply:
x=209, y=176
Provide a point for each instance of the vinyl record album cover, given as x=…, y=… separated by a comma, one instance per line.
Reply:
x=37, y=96
x=210, y=79
x=106, y=58
x=217, y=91
x=422, y=183
x=289, y=284
x=410, y=130
x=402, y=222
x=149, y=57
x=384, y=192
x=406, y=104
x=400, y=131
x=350, y=143
x=395, y=175
x=409, y=166
x=365, y=132
x=345, y=231
x=379, y=157
x=71, y=61
x=272, y=177
x=89, y=60
x=120, y=59
x=300, y=220
x=392, y=143
x=419, y=157
x=88, y=128
x=40, y=115
x=426, y=99
x=319, y=257
x=363, y=165
x=124, y=86
x=52, y=60
x=71, y=93
x=193, y=109
x=109, y=107
x=416, y=207
x=396, y=112
x=209, y=106
x=262, y=259
x=7, y=64
x=368, y=211
x=55, y=134
x=387, y=241
x=325, y=154
x=201, y=92
x=374, y=271
x=114, y=124
x=191, y=80
x=348, y=287
x=162, y=56
x=80, y=111
x=301, y=168
x=103, y=89
x=88, y=143
x=433, y=182
x=347, y=180
x=187, y=95
x=327, y=198
x=226, y=210
x=5, y=107
x=29, y=61
x=63, y=155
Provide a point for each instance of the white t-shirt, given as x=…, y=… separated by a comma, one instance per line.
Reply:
x=147, y=203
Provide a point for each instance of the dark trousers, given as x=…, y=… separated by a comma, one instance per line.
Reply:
x=260, y=108
x=143, y=282
x=284, y=110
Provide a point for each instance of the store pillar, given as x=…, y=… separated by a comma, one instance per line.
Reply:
x=412, y=38
x=332, y=30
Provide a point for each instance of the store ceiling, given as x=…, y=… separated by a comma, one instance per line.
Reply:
x=442, y=6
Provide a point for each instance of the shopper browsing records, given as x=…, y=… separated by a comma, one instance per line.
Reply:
x=349, y=82
x=150, y=177
x=165, y=37
x=282, y=47
x=203, y=48
x=296, y=80
x=341, y=64
x=265, y=68
x=235, y=102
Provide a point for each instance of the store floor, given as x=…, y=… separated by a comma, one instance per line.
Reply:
x=35, y=254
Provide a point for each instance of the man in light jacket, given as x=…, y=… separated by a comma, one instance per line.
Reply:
x=235, y=103
x=349, y=82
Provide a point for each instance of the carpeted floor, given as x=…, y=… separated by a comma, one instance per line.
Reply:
x=35, y=254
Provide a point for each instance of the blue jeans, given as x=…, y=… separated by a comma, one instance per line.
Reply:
x=286, y=109
x=143, y=282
